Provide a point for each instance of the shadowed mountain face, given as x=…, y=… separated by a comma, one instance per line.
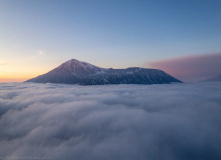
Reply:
x=77, y=72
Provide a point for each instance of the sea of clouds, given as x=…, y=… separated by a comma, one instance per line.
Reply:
x=111, y=122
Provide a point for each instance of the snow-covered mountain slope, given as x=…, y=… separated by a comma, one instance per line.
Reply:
x=77, y=72
x=77, y=68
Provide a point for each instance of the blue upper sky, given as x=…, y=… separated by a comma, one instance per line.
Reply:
x=108, y=33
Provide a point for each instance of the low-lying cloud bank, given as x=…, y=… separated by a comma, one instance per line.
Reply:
x=191, y=68
x=115, y=122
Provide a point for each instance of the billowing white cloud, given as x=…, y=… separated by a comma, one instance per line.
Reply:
x=122, y=122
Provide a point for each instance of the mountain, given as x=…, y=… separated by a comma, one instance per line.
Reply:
x=77, y=72
x=214, y=79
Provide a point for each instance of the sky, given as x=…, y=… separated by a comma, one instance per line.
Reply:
x=38, y=35
x=111, y=122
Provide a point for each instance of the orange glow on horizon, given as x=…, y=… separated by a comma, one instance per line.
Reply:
x=16, y=78
x=7, y=76
x=8, y=80
x=22, y=70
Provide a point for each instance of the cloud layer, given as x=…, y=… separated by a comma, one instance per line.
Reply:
x=122, y=122
x=191, y=68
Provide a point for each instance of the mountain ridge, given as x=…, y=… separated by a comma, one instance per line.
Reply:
x=83, y=73
x=214, y=79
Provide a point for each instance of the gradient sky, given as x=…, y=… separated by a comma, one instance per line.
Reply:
x=38, y=35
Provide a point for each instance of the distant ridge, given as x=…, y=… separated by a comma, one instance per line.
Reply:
x=214, y=79
x=77, y=72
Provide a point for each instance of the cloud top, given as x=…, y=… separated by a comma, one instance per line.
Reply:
x=170, y=122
